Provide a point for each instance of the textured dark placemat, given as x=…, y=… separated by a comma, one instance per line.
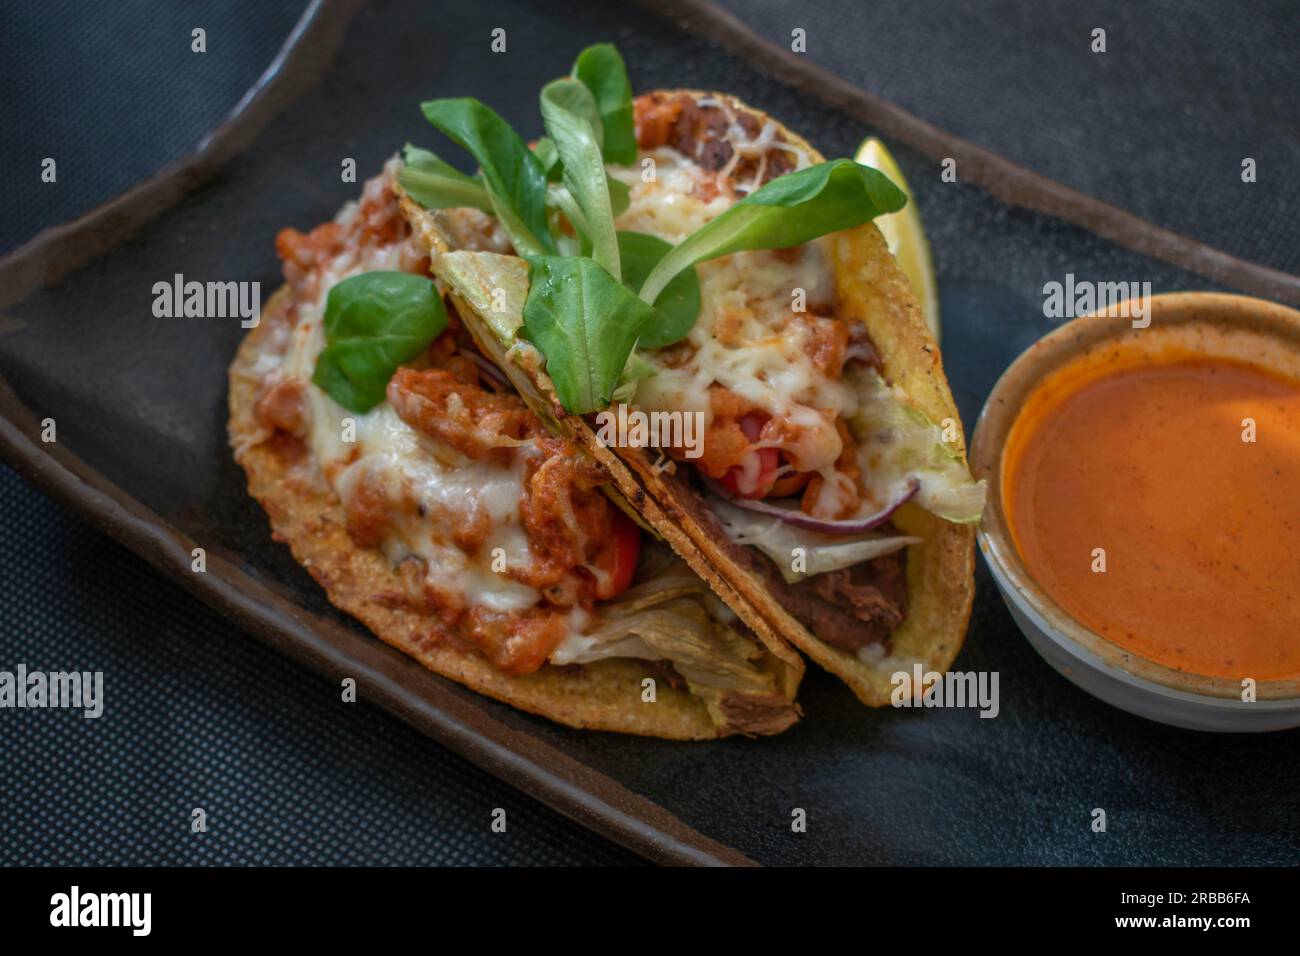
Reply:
x=196, y=714
x=1158, y=124
x=113, y=92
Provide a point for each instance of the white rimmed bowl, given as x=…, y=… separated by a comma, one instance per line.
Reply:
x=1216, y=325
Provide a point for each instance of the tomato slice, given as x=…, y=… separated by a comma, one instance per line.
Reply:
x=622, y=556
x=759, y=486
x=746, y=482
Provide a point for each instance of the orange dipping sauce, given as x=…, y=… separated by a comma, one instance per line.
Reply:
x=1145, y=459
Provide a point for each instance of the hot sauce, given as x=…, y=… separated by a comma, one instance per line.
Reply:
x=1158, y=502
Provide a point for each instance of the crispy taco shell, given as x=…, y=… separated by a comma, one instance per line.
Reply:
x=604, y=695
x=869, y=286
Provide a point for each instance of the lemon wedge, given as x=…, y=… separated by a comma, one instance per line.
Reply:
x=905, y=234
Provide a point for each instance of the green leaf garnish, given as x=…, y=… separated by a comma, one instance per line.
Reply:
x=515, y=180
x=373, y=323
x=620, y=196
x=585, y=322
x=677, y=307
x=635, y=371
x=600, y=69
x=569, y=112
x=580, y=310
x=567, y=203
x=789, y=211
x=435, y=184
x=549, y=157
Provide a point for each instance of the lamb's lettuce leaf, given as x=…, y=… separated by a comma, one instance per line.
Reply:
x=789, y=211
x=600, y=69
x=512, y=175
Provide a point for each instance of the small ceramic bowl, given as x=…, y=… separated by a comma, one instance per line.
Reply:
x=1212, y=324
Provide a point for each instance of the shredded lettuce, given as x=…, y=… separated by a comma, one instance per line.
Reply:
x=812, y=553
x=667, y=618
x=897, y=442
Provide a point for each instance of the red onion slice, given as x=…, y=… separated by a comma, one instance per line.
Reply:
x=793, y=516
x=489, y=370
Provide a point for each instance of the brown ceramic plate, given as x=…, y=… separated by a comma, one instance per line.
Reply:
x=141, y=451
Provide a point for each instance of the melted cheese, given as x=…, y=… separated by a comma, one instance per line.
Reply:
x=439, y=487
x=666, y=205
x=744, y=339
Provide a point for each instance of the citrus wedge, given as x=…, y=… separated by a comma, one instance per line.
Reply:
x=905, y=234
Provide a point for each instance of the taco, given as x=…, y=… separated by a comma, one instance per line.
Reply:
x=432, y=505
x=684, y=253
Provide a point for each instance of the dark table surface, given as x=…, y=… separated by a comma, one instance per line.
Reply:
x=206, y=716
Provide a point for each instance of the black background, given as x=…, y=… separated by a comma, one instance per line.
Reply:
x=213, y=719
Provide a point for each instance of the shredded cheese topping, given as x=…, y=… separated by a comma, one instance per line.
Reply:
x=431, y=487
x=745, y=339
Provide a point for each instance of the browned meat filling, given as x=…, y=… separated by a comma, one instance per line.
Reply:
x=700, y=132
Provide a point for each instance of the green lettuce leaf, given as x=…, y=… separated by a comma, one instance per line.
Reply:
x=373, y=323
x=600, y=68
x=789, y=211
x=435, y=184
x=512, y=175
x=586, y=323
x=896, y=442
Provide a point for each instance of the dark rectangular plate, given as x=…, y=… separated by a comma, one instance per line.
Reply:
x=140, y=409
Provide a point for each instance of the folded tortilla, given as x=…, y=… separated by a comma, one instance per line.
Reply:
x=869, y=286
x=731, y=681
